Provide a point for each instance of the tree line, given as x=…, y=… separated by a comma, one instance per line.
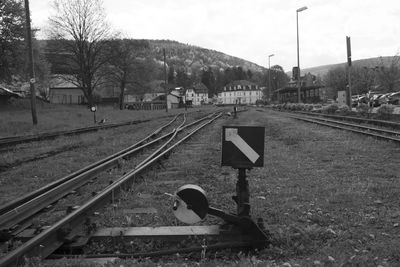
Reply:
x=384, y=77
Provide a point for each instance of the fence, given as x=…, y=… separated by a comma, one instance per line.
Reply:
x=145, y=105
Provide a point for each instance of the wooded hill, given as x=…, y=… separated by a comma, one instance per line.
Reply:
x=367, y=62
x=178, y=55
x=194, y=57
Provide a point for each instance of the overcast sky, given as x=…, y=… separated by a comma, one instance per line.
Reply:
x=253, y=29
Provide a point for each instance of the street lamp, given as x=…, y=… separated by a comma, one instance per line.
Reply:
x=269, y=76
x=298, y=56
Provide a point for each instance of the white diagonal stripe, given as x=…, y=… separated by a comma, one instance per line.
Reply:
x=231, y=134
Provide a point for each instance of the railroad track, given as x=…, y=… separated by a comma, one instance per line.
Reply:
x=384, y=134
x=44, y=243
x=383, y=123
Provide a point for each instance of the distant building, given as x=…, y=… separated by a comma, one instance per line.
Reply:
x=62, y=90
x=148, y=97
x=174, y=100
x=240, y=92
x=132, y=98
x=311, y=91
x=197, y=95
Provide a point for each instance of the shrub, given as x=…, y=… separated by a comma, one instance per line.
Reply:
x=300, y=106
x=385, y=111
x=362, y=108
x=344, y=109
x=330, y=109
x=308, y=107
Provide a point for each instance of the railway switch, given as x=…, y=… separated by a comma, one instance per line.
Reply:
x=242, y=148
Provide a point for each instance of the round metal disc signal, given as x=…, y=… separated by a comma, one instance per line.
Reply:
x=191, y=204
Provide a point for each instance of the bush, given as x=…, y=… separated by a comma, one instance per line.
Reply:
x=301, y=106
x=330, y=109
x=362, y=108
x=308, y=107
x=385, y=111
x=344, y=109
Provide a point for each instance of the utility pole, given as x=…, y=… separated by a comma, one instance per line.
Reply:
x=348, y=96
x=165, y=82
x=30, y=57
x=269, y=77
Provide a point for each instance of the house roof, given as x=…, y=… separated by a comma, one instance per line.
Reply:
x=200, y=88
x=241, y=82
x=63, y=81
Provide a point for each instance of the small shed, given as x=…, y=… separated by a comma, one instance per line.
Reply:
x=63, y=91
x=173, y=100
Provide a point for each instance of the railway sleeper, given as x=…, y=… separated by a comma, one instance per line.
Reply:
x=180, y=237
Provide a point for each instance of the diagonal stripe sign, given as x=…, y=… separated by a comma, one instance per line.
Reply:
x=231, y=134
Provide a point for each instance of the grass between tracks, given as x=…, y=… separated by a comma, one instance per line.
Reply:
x=330, y=198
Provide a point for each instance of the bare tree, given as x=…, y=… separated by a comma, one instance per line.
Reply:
x=389, y=74
x=336, y=78
x=123, y=65
x=82, y=24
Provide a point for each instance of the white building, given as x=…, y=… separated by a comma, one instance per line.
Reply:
x=240, y=92
x=197, y=95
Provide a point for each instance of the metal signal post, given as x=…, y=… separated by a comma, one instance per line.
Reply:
x=165, y=82
x=348, y=45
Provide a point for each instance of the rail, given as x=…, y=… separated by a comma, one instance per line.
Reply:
x=50, y=239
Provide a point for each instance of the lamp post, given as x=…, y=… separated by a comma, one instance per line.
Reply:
x=269, y=76
x=298, y=56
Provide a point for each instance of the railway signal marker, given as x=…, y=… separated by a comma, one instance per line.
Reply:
x=243, y=146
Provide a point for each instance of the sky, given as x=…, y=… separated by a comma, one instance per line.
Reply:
x=255, y=29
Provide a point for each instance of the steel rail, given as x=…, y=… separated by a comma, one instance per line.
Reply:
x=15, y=203
x=380, y=136
x=42, y=198
x=164, y=145
x=383, y=123
x=390, y=132
x=50, y=239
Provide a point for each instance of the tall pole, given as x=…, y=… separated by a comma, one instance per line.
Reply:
x=348, y=93
x=30, y=58
x=298, y=54
x=165, y=82
x=269, y=76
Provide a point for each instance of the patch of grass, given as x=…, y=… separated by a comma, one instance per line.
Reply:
x=51, y=117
